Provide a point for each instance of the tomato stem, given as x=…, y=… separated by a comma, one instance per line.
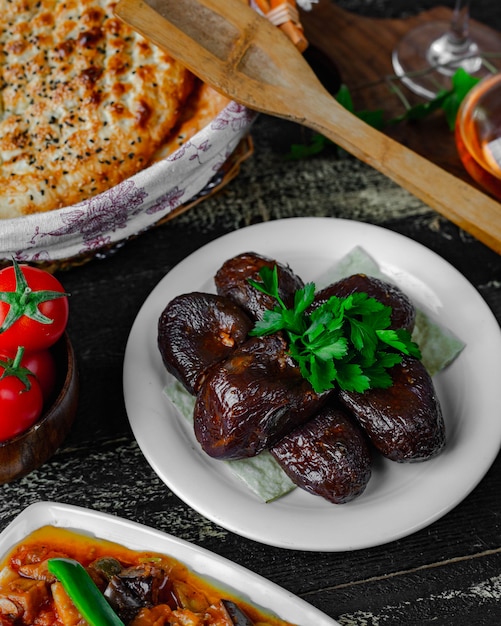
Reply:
x=25, y=296
x=18, y=357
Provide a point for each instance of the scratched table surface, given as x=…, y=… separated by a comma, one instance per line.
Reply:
x=447, y=573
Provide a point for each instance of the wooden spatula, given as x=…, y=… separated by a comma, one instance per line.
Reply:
x=238, y=52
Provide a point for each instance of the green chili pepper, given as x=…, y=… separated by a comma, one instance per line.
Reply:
x=84, y=593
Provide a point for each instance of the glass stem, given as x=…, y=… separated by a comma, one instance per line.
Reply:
x=460, y=32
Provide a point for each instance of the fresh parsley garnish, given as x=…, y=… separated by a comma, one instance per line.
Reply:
x=345, y=341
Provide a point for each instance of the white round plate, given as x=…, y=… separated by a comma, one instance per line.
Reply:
x=400, y=498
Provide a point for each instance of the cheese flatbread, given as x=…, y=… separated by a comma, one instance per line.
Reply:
x=85, y=102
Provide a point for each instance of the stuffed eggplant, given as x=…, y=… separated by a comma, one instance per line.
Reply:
x=196, y=330
x=252, y=399
x=404, y=422
x=250, y=395
x=232, y=281
x=328, y=456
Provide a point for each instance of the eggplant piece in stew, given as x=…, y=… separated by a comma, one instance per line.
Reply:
x=328, y=456
x=404, y=421
x=403, y=313
x=136, y=587
x=252, y=399
x=232, y=281
x=196, y=330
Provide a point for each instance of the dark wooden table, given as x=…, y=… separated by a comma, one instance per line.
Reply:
x=448, y=573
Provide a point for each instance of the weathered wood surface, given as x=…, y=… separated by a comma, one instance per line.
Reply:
x=446, y=574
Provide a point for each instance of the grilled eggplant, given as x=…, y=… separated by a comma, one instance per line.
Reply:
x=404, y=421
x=328, y=456
x=252, y=399
x=196, y=330
x=231, y=281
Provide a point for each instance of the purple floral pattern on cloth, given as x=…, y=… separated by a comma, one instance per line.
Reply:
x=106, y=212
x=168, y=200
x=131, y=206
x=232, y=117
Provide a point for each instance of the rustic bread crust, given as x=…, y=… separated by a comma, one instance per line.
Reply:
x=85, y=102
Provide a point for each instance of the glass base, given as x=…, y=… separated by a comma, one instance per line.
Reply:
x=425, y=61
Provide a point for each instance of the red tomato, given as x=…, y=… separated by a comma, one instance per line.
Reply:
x=28, y=298
x=43, y=365
x=19, y=407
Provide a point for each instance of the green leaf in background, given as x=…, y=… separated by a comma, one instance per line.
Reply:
x=462, y=83
x=423, y=109
x=299, y=151
x=373, y=118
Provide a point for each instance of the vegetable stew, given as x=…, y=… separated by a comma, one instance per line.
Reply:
x=142, y=588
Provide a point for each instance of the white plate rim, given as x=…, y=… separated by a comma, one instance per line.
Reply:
x=300, y=521
x=245, y=583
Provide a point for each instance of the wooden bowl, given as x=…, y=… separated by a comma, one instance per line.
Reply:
x=30, y=449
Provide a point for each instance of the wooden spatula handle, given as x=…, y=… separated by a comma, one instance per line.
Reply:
x=463, y=204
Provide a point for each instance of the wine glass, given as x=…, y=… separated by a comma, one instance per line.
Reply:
x=429, y=54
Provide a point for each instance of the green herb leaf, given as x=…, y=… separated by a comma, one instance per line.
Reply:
x=304, y=297
x=377, y=373
x=400, y=340
x=350, y=377
x=299, y=151
x=373, y=118
x=322, y=374
x=423, y=109
x=345, y=341
x=269, y=284
x=272, y=322
x=462, y=82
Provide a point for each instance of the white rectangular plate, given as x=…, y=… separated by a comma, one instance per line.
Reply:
x=245, y=584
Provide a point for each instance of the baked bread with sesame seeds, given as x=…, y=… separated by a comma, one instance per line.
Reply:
x=86, y=102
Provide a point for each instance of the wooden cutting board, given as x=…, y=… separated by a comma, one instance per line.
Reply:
x=361, y=49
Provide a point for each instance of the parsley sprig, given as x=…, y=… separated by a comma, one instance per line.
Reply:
x=344, y=342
